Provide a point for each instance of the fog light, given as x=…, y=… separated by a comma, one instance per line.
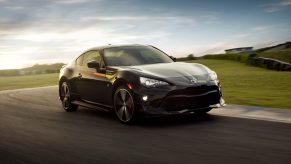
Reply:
x=145, y=98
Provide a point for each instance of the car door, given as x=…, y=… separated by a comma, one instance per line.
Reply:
x=92, y=84
x=76, y=76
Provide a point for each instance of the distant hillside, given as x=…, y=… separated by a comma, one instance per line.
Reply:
x=44, y=67
x=282, y=55
x=280, y=52
x=276, y=48
x=36, y=69
x=276, y=57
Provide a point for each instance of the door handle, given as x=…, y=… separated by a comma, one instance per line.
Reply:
x=79, y=76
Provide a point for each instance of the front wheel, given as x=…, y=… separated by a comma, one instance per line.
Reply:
x=124, y=105
x=65, y=96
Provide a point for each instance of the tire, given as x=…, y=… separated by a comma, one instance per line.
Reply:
x=203, y=111
x=65, y=96
x=124, y=106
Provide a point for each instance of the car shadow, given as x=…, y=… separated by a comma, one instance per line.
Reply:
x=178, y=120
x=163, y=121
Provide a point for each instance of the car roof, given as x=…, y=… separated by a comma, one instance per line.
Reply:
x=110, y=46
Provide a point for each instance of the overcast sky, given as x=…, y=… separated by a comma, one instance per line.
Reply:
x=46, y=31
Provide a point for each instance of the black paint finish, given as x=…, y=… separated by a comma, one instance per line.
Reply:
x=96, y=87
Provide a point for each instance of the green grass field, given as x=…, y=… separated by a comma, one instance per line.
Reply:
x=28, y=81
x=244, y=84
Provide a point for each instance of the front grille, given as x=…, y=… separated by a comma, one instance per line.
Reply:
x=194, y=90
x=191, y=98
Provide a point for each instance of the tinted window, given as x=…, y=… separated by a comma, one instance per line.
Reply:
x=92, y=55
x=79, y=61
x=134, y=55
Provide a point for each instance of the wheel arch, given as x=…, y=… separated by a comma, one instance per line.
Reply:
x=62, y=79
x=127, y=78
x=117, y=83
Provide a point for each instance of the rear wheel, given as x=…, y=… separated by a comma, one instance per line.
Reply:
x=124, y=105
x=65, y=96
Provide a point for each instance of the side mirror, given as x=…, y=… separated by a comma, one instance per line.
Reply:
x=93, y=64
x=173, y=58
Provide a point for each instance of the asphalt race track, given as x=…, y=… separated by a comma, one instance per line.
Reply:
x=35, y=129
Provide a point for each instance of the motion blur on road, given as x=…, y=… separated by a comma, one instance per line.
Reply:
x=35, y=129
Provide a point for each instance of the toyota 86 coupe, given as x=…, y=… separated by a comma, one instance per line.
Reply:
x=133, y=80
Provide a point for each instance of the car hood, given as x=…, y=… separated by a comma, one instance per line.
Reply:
x=178, y=73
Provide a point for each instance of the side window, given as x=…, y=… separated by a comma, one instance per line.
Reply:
x=92, y=55
x=79, y=61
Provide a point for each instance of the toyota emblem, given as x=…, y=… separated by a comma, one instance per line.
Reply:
x=193, y=80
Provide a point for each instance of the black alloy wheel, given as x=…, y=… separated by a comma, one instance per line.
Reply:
x=66, y=98
x=124, y=105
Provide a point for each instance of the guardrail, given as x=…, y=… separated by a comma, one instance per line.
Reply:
x=270, y=63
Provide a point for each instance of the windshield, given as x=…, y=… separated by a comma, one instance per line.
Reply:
x=134, y=55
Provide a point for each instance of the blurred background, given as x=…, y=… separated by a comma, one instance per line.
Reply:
x=246, y=42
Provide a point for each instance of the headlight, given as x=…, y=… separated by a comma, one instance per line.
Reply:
x=147, y=82
x=212, y=76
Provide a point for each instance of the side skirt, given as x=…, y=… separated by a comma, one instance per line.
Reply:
x=92, y=106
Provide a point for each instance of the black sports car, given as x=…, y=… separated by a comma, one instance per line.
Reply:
x=137, y=79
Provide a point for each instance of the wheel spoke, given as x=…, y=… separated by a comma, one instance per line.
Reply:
x=124, y=106
x=118, y=102
x=122, y=94
x=120, y=112
x=129, y=110
x=67, y=92
x=62, y=91
x=126, y=114
x=128, y=103
x=65, y=103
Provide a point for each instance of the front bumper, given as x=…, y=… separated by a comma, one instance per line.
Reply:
x=171, y=100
